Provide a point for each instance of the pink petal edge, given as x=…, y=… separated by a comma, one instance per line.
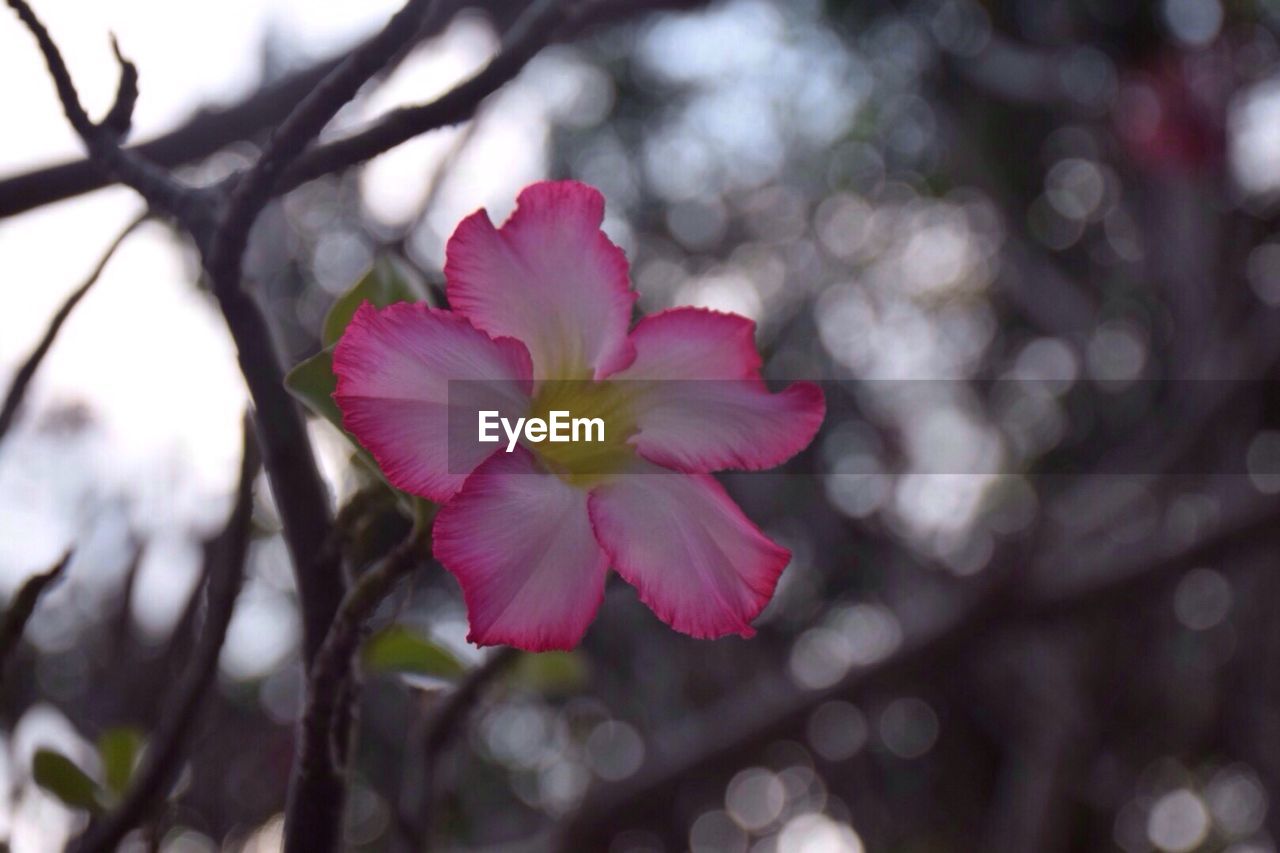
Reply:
x=696, y=560
x=521, y=545
x=393, y=367
x=548, y=277
x=707, y=408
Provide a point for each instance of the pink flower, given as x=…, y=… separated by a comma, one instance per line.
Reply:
x=531, y=534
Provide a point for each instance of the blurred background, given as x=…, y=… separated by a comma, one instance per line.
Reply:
x=1030, y=246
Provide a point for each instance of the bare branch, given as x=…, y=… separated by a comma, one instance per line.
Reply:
x=120, y=118
x=22, y=379
x=529, y=35
x=290, y=462
x=439, y=730
x=313, y=817
x=122, y=617
x=204, y=134
x=300, y=493
x=21, y=608
x=161, y=191
x=253, y=190
x=163, y=758
x=210, y=130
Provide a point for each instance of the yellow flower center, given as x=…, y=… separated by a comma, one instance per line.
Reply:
x=587, y=460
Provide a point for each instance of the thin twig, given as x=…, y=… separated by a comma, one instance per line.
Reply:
x=163, y=757
x=254, y=189
x=120, y=119
x=438, y=731
x=299, y=491
x=295, y=480
x=210, y=130
x=122, y=618
x=161, y=191
x=530, y=34
x=290, y=461
x=21, y=608
x=22, y=379
x=313, y=817
x=207, y=131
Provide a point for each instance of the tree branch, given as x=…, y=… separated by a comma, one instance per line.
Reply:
x=295, y=481
x=120, y=118
x=163, y=757
x=204, y=134
x=22, y=379
x=253, y=190
x=23, y=605
x=299, y=491
x=210, y=130
x=313, y=818
x=437, y=731
x=528, y=35
x=102, y=141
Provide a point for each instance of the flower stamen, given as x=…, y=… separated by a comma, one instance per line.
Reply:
x=585, y=463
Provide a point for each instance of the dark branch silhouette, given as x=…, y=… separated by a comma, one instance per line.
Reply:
x=164, y=756
x=443, y=726
x=22, y=606
x=212, y=129
x=161, y=191
x=22, y=379
x=529, y=35
x=314, y=814
x=253, y=190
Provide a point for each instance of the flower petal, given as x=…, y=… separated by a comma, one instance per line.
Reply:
x=694, y=343
x=680, y=540
x=550, y=278
x=394, y=368
x=520, y=543
x=706, y=408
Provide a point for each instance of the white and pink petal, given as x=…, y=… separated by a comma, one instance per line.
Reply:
x=521, y=544
x=548, y=277
x=398, y=370
x=693, y=343
x=699, y=404
x=683, y=543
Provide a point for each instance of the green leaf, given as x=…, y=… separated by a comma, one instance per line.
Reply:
x=313, y=383
x=119, y=749
x=401, y=649
x=386, y=282
x=60, y=776
x=550, y=672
